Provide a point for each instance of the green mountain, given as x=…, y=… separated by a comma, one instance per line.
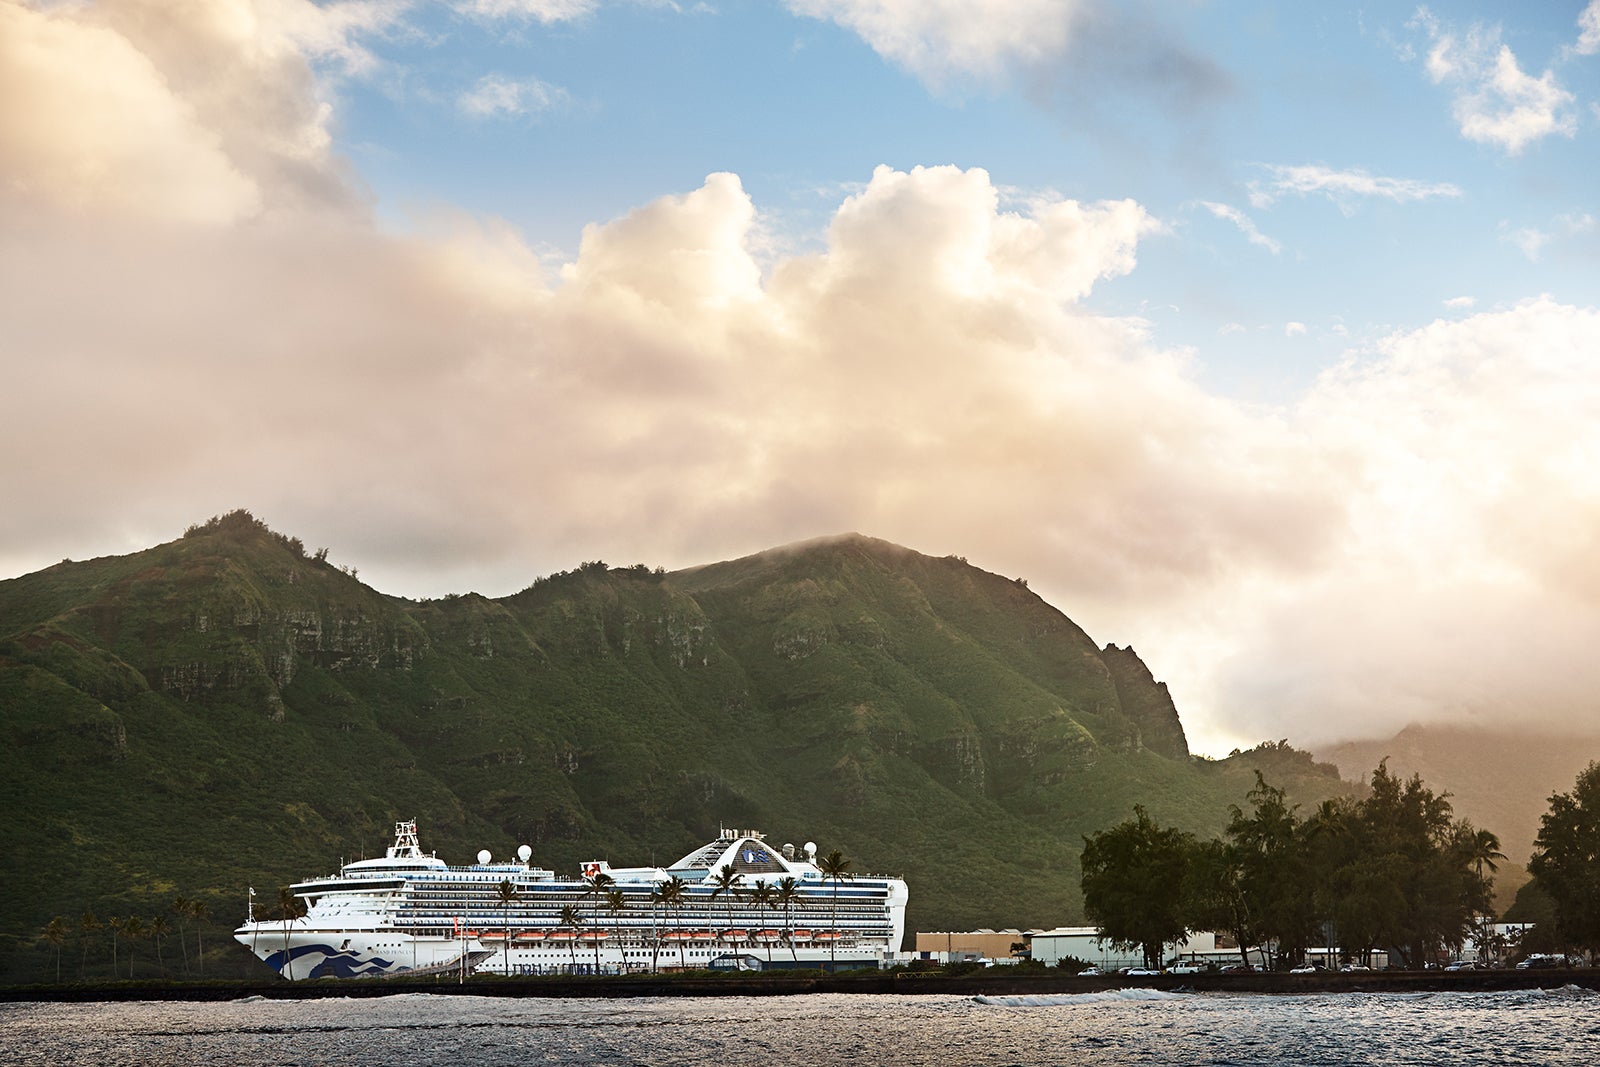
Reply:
x=225, y=711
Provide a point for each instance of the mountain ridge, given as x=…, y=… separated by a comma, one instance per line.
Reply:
x=225, y=710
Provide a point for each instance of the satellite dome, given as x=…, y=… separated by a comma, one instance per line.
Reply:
x=811, y=848
x=484, y=856
x=524, y=853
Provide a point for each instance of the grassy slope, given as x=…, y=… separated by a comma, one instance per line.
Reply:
x=221, y=712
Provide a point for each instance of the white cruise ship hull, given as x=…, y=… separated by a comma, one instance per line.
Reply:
x=732, y=903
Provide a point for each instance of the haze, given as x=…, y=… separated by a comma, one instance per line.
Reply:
x=1261, y=339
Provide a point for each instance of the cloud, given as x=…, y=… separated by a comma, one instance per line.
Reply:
x=1496, y=102
x=496, y=95
x=545, y=11
x=1294, y=329
x=1588, y=42
x=1232, y=214
x=1461, y=303
x=1343, y=187
x=1074, y=54
x=1413, y=540
x=1533, y=240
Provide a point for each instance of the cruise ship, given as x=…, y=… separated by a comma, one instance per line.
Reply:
x=735, y=901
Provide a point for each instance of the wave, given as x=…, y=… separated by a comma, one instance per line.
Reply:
x=1052, y=1000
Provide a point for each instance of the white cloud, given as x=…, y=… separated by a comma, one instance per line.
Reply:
x=1589, y=30
x=546, y=11
x=1533, y=240
x=1461, y=303
x=1496, y=102
x=496, y=95
x=1294, y=329
x=1343, y=186
x=1232, y=214
x=936, y=38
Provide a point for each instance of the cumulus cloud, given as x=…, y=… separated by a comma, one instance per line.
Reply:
x=1343, y=187
x=1414, y=540
x=1496, y=101
x=1229, y=213
x=1461, y=303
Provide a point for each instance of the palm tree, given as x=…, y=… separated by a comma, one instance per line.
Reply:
x=507, y=893
x=88, y=924
x=134, y=930
x=763, y=897
x=727, y=880
x=596, y=887
x=290, y=908
x=55, y=932
x=180, y=908
x=787, y=893
x=159, y=928
x=616, y=904
x=571, y=919
x=114, y=924
x=199, y=912
x=834, y=867
x=672, y=894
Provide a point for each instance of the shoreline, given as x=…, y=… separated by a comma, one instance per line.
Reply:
x=910, y=983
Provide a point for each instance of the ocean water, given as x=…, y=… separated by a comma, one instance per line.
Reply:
x=1124, y=1027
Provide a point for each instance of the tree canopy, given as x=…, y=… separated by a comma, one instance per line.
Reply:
x=1566, y=861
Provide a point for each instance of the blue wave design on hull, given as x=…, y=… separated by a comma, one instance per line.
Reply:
x=334, y=963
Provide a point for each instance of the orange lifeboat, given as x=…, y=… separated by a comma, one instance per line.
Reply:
x=560, y=935
x=589, y=937
x=735, y=936
x=529, y=936
x=800, y=935
x=826, y=935
x=767, y=936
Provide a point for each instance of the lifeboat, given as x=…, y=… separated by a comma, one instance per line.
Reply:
x=701, y=935
x=826, y=935
x=675, y=936
x=492, y=935
x=800, y=935
x=589, y=937
x=735, y=936
x=528, y=936
x=560, y=935
x=767, y=936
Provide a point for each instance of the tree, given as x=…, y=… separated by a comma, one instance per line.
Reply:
x=1566, y=861
x=290, y=908
x=54, y=934
x=764, y=898
x=1213, y=897
x=160, y=928
x=180, y=908
x=726, y=881
x=134, y=929
x=88, y=926
x=1133, y=884
x=834, y=867
x=199, y=911
x=1275, y=876
x=572, y=920
x=672, y=894
x=787, y=892
x=596, y=886
x=616, y=904
x=506, y=893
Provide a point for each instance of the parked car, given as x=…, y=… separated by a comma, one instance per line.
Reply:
x=1306, y=968
x=1459, y=965
x=1090, y=972
x=1540, y=960
x=1353, y=968
x=1187, y=967
x=1141, y=972
x=1238, y=968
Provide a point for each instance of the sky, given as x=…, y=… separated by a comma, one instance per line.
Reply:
x=1260, y=336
